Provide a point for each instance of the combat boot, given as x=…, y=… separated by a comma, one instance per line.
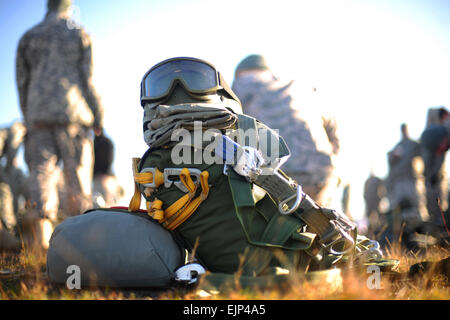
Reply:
x=8, y=242
x=37, y=230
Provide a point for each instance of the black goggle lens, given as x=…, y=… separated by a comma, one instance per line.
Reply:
x=196, y=76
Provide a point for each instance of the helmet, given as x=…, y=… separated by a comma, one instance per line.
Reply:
x=58, y=5
x=252, y=62
x=199, y=79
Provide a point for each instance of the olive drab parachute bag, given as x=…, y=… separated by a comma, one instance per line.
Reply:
x=236, y=224
x=113, y=248
x=226, y=202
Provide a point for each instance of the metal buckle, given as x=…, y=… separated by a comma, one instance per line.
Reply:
x=152, y=184
x=343, y=237
x=195, y=175
x=189, y=273
x=298, y=199
x=249, y=163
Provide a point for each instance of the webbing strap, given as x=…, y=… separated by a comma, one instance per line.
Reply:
x=279, y=229
x=182, y=215
x=314, y=217
x=282, y=187
x=135, y=202
x=249, y=125
x=179, y=211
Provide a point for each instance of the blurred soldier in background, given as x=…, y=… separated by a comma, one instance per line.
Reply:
x=345, y=200
x=60, y=106
x=13, y=184
x=434, y=145
x=14, y=176
x=374, y=191
x=405, y=198
x=107, y=191
x=312, y=139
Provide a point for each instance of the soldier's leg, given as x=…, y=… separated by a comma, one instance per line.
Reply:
x=436, y=188
x=77, y=154
x=6, y=206
x=107, y=189
x=7, y=241
x=41, y=157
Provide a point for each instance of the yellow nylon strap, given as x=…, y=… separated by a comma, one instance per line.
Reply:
x=143, y=177
x=147, y=177
x=171, y=213
x=175, y=207
x=135, y=202
x=204, y=183
x=186, y=179
x=154, y=209
x=181, y=209
x=193, y=205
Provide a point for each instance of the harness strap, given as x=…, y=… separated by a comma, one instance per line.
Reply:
x=135, y=202
x=180, y=210
x=333, y=229
x=182, y=215
x=171, y=213
x=278, y=230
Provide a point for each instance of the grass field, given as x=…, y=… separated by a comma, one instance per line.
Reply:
x=23, y=276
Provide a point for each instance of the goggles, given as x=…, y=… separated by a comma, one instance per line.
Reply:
x=198, y=77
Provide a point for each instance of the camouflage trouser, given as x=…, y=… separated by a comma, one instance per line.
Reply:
x=7, y=215
x=404, y=193
x=107, y=190
x=319, y=185
x=44, y=147
x=437, y=201
x=436, y=183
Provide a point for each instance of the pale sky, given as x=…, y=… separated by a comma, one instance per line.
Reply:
x=375, y=64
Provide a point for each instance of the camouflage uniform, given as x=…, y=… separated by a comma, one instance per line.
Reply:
x=59, y=105
x=374, y=191
x=13, y=184
x=107, y=191
x=6, y=203
x=312, y=140
x=403, y=186
x=435, y=171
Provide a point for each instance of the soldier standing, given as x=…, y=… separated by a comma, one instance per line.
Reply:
x=12, y=184
x=313, y=141
x=434, y=145
x=406, y=201
x=60, y=106
x=12, y=174
x=374, y=191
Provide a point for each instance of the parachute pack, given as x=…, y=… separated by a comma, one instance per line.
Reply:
x=229, y=217
x=114, y=248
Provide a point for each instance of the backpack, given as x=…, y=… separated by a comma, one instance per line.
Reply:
x=114, y=248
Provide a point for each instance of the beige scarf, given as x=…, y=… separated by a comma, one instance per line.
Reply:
x=161, y=121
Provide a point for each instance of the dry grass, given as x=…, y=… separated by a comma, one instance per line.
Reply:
x=27, y=280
